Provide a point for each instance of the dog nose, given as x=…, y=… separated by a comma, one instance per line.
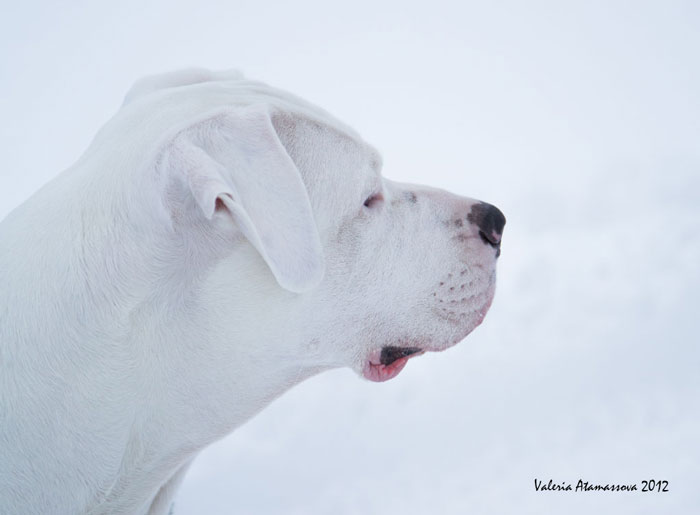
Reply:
x=490, y=222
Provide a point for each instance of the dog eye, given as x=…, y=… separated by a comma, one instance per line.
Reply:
x=374, y=200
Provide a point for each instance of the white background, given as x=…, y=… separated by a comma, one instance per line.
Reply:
x=580, y=120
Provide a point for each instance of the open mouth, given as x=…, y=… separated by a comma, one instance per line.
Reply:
x=387, y=363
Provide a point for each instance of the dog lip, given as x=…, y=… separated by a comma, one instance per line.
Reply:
x=387, y=363
x=390, y=354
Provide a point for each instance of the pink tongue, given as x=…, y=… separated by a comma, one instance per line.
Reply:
x=381, y=373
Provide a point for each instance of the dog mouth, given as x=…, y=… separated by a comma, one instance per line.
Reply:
x=387, y=363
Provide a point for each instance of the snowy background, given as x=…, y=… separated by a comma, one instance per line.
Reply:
x=580, y=120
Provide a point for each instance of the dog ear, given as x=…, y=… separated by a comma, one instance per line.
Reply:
x=234, y=161
x=151, y=83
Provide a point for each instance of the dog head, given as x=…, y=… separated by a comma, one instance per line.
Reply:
x=283, y=208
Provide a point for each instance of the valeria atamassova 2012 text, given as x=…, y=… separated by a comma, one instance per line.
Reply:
x=648, y=485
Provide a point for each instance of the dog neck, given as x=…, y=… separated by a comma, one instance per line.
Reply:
x=120, y=323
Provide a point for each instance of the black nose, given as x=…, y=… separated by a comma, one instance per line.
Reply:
x=490, y=222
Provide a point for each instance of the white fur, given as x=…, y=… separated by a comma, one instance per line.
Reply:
x=208, y=251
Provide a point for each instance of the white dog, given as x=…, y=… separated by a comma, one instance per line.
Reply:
x=219, y=242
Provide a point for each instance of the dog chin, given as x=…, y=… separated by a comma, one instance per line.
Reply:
x=386, y=363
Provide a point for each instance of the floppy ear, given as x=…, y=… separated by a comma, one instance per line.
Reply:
x=234, y=160
x=151, y=83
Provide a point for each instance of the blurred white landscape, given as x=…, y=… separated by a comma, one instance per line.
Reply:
x=580, y=120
